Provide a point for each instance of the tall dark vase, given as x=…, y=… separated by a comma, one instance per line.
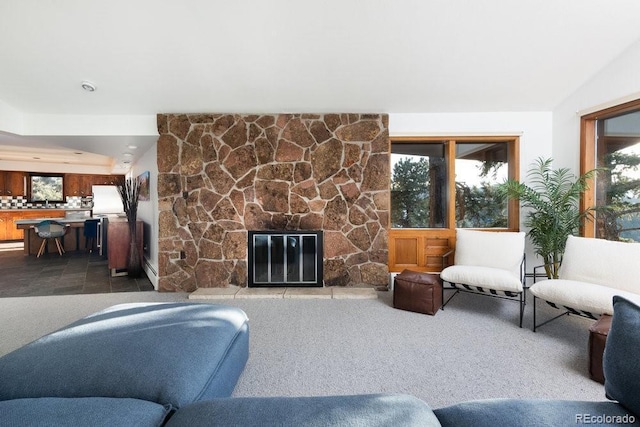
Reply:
x=134, y=266
x=129, y=190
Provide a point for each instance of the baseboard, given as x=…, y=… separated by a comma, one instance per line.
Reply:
x=152, y=273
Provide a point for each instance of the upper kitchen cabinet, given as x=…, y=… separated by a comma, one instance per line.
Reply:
x=107, y=179
x=12, y=183
x=78, y=185
x=71, y=184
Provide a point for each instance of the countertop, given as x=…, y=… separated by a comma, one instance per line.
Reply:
x=45, y=209
x=34, y=221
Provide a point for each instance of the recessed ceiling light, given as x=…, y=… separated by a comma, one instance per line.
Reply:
x=132, y=147
x=88, y=86
x=127, y=154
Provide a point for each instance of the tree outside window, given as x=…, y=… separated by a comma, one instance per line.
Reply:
x=420, y=181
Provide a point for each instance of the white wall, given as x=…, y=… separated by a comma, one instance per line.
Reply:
x=148, y=210
x=618, y=82
x=534, y=129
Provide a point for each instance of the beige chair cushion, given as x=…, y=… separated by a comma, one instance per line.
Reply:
x=482, y=277
x=582, y=296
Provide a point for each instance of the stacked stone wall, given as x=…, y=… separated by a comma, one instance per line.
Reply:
x=221, y=175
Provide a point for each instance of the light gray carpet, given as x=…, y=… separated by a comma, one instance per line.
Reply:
x=471, y=350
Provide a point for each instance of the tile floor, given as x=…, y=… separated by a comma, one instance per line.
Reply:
x=88, y=273
x=52, y=274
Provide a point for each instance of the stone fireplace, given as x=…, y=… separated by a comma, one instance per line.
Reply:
x=222, y=175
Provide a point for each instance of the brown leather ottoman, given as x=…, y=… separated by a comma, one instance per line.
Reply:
x=419, y=292
x=597, y=339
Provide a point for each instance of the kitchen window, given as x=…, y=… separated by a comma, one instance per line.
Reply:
x=46, y=188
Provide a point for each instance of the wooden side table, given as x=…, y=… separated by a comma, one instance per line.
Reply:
x=118, y=245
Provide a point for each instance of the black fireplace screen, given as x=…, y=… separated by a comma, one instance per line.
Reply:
x=284, y=258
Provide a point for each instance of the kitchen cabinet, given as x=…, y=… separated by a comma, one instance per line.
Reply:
x=4, y=219
x=80, y=184
x=118, y=245
x=8, y=229
x=106, y=179
x=12, y=183
x=71, y=184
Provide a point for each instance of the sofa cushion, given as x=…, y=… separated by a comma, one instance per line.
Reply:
x=582, y=296
x=168, y=353
x=602, y=262
x=532, y=412
x=621, y=361
x=84, y=411
x=361, y=410
x=482, y=277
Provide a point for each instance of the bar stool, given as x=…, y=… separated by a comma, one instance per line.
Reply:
x=49, y=229
x=90, y=233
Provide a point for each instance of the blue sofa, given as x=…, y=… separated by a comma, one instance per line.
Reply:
x=177, y=364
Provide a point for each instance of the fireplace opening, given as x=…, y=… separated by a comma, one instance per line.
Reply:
x=285, y=258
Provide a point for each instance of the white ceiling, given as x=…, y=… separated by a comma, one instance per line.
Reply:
x=396, y=56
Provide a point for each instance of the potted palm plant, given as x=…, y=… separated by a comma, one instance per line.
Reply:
x=129, y=190
x=553, y=198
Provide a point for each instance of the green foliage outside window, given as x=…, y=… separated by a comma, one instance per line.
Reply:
x=479, y=205
x=619, y=217
x=410, y=193
x=46, y=188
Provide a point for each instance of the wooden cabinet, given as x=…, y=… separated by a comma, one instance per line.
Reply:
x=419, y=249
x=71, y=184
x=106, y=179
x=12, y=183
x=8, y=229
x=118, y=245
x=4, y=219
x=80, y=184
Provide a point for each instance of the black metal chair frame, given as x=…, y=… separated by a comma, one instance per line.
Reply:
x=521, y=296
x=568, y=311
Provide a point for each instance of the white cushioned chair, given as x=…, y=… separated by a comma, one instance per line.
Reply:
x=488, y=263
x=592, y=272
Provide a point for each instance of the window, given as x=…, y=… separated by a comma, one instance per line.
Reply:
x=611, y=142
x=440, y=184
x=418, y=179
x=46, y=188
x=480, y=168
x=424, y=172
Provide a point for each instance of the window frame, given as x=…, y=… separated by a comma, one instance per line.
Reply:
x=588, y=154
x=513, y=207
x=51, y=175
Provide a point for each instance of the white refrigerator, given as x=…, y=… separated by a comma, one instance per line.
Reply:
x=106, y=200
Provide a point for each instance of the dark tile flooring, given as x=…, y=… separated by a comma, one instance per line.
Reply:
x=51, y=274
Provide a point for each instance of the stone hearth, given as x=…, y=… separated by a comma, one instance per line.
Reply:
x=221, y=175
